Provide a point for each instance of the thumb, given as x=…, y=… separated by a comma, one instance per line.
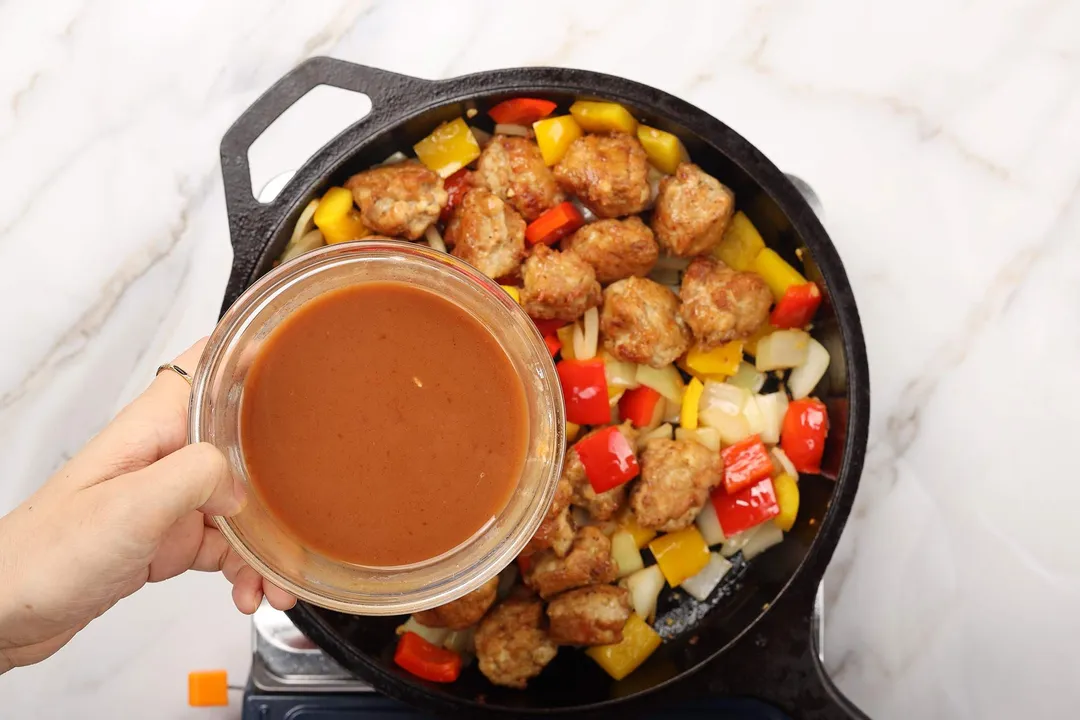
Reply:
x=195, y=477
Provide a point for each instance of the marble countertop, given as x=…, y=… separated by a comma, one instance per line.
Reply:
x=941, y=136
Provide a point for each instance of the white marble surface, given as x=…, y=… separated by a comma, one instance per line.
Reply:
x=942, y=136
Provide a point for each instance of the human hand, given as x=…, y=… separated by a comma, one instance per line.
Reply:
x=132, y=507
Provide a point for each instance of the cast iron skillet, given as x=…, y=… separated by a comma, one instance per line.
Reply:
x=773, y=655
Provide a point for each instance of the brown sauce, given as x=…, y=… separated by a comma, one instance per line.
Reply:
x=382, y=425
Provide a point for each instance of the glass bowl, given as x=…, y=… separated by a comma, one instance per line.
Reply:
x=214, y=417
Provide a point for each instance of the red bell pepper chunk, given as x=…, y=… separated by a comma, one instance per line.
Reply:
x=747, y=508
x=554, y=225
x=548, y=327
x=427, y=661
x=638, y=405
x=456, y=186
x=521, y=111
x=524, y=562
x=803, y=433
x=584, y=386
x=553, y=344
x=796, y=309
x=745, y=462
x=608, y=458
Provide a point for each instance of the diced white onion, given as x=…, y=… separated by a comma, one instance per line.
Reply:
x=625, y=553
x=700, y=586
x=665, y=380
x=782, y=463
x=671, y=278
x=580, y=516
x=619, y=373
x=613, y=401
x=586, y=338
x=773, y=407
x=395, y=158
x=805, y=377
x=732, y=428
x=512, y=129
x=644, y=587
x=310, y=241
x=707, y=436
x=461, y=641
x=653, y=177
x=507, y=578
x=483, y=137
x=781, y=350
x=747, y=377
x=434, y=239
x=755, y=418
x=764, y=537
x=664, y=432
x=670, y=262
x=672, y=410
x=435, y=636
x=304, y=224
x=723, y=397
x=587, y=214
x=709, y=524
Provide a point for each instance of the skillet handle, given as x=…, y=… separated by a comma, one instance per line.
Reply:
x=250, y=221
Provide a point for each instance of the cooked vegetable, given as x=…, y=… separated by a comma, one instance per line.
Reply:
x=644, y=587
x=740, y=245
x=586, y=336
x=776, y=272
x=461, y=641
x=608, y=458
x=521, y=111
x=665, y=380
x=701, y=585
x=723, y=396
x=594, y=116
x=787, y=496
x=507, y=578
x=773, y=407
x=707, y=436
x=661, y=432
x=555, y=135
x=782, y=349
x=304, y=224
x=782, y=463
x=796, y=309
x=546, y=327
x=665, y=150
x=745, y=463
x=435, y=636
x=512, y=292
x=449, y=148
x=435, y=242
x=311, y=241
x=638, y=643
x=584, y=387
x=754, y=541
x=572, y=430
x=427, y=661
x=750, y=347
x=619, y=373
x=639, y=405
x=755, y=418
x=338, y=218
x=749, y=507
x=709, y=525
x=566, y=339
x=510, y=129
x=554, y=225
x=456, y=186
x=805, y=376
x=628, y=522
x=553, y=344
x=691, y=398
x=748, y=378
x=806, y=424
x=680, y=554
x=624, y=551
x=723, y=360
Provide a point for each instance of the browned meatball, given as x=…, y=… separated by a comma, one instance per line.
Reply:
x=616, y=249
x=588, y=563
x=558, y=285
x=601, y=506
x=511, y=645
x=720, y=304
x=514, y=169
x=487, y=233
x=464, y=612
x=609, y=173
x=589, y=616
x=402, y=199
x=640, y=323
x=676, y=477
x=692, y=211
x=557, y=529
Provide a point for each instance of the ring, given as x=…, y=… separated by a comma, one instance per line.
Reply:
x=176, y=369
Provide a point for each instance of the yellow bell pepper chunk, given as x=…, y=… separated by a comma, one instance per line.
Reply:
x=639, y=641
x=594, y=116
x=449, y=148
x=337, y=218
x=740, y=245
x=690, y=399
x=787, y=496
x=681, y=554
x=723, y=360
x=629, y=523
x=776, y=272
x=665, y=150
x=555, y=135
x=572, y=429
x=512, y=292
x=566, y=337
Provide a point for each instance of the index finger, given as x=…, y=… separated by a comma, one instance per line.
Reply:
x=151, y=427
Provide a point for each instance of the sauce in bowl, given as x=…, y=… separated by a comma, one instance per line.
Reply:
x=382, y=425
